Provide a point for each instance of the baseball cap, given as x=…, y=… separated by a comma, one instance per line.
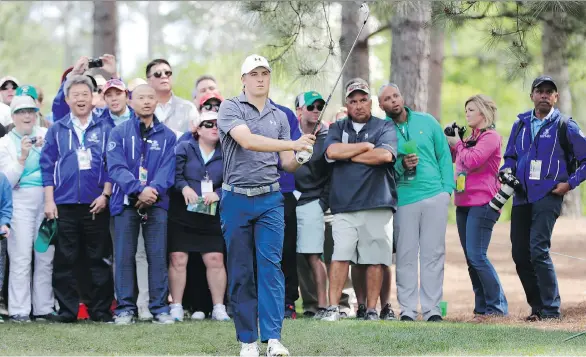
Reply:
x=358, y=85
x=543, y=79
x=204, y=117
x=253, y=61
x=309, y=98
x=23, y=102
x=27, y=90
x=209, y=96
x=100, y=80
x=114, y=83
x=3, y=80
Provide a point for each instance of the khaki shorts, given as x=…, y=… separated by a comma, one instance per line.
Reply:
x=310, y=228
x=364, y=237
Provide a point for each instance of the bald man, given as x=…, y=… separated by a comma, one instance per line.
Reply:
x=141, y=163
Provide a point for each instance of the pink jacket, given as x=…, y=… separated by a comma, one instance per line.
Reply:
x=481, y=164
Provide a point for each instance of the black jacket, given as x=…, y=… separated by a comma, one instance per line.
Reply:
x=313, y=178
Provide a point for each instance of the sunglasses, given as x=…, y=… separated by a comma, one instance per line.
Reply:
x=211, y=107
x=159, y=74
x=208, y=124
x=319, y=107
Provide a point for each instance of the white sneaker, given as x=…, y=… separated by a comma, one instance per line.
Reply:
x=144, y=314
x=332, y=314
x=219, y=313
x=198, y=315
x=177, y=312
x=249, y=350
x=163, y=319
x=276, y=348
x=125, y=318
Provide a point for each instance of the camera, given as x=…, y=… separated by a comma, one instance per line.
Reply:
x=33, y=140
x=450, y=130
x=509, y=184
x=95, y=63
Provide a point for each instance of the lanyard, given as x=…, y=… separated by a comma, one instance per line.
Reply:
x=405, y=134
x=82, y=139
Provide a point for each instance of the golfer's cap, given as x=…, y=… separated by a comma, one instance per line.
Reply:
x=543, y=79
x=359, y=85
x=310, y=97
x=135, y=83
x=254, y=61
x=208, y=96
x=100, y=80
x=206, y=116
x=28, y=90
x=6, y=79
x=22, y=102
x=114, y=83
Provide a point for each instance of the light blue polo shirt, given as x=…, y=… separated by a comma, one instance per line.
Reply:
x=537, y=123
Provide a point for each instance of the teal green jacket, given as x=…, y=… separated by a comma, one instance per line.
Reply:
x=434, y=172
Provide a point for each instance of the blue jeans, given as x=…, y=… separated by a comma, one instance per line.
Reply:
x=475, y=229
x=255, y=225
x=531, y=230
x=126, y=228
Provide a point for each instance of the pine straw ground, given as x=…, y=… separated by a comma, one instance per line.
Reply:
x=569, y=238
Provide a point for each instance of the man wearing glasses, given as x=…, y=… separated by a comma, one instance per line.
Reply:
x=171, y=110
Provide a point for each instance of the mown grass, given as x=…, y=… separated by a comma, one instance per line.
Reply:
x=302, y=337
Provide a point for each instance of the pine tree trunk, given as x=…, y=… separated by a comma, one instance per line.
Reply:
x=555, y=63
x=153, y=28
x=357, y=65
x=436, y=70
x=105, y=33
x=410, y=52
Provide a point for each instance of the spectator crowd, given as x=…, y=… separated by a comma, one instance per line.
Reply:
x=117, y=204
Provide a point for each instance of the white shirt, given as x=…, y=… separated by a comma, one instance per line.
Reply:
x=80, y=129
x=358, y=126
x=5, y=116
x=163, y=110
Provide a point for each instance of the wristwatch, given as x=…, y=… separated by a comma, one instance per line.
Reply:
x=106, y=195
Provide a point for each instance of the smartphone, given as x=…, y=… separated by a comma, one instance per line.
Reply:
x=95, y=63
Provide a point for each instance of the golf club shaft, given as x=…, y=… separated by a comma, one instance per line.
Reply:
x=339, y=76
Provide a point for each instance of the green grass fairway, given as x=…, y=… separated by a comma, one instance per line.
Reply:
x=303, y=337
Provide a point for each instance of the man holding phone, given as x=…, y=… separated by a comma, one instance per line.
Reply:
x=60, y=108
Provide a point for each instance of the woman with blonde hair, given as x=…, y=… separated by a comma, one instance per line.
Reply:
x=477, y=163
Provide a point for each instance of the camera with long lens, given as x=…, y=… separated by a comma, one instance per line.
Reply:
x=509, y=184
x=451, y=130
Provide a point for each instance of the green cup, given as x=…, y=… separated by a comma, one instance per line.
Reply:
x=444, y=308
x=410, y=147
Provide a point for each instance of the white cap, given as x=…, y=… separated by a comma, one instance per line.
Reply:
x=205, y=116
x=253, y=61
x=22, y=102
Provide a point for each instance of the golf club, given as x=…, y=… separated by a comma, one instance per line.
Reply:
x=304, y=156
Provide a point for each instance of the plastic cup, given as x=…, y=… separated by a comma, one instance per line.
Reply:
x=444, y=308
x=410, y=147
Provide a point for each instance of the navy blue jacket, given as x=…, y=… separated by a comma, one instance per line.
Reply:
x=522, y=148
x=355, y=186
x=287, y=179
x=190, y=170
x=125, y=150
x=59, y=165
x=5, y=200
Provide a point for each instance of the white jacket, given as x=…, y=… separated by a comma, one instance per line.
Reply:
x=9, y=164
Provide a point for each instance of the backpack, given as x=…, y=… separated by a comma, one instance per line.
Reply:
x=571, y=162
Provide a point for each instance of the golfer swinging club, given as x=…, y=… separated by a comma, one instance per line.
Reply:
x=252, y=132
